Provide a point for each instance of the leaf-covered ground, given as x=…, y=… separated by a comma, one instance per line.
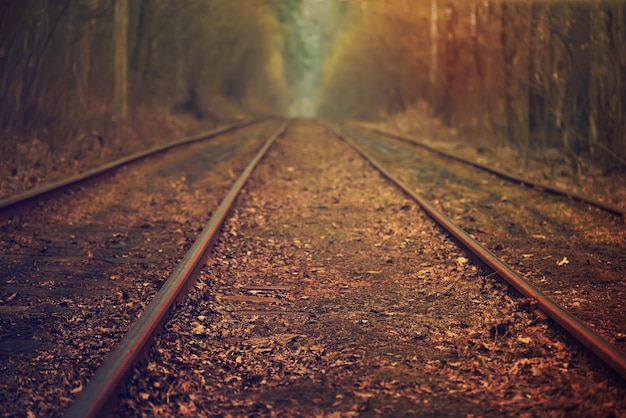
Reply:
x=330, y=294
x=28, y=161
x=75, y=273
x=574, y=252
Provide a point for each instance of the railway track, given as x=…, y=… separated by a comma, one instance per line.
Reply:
x=609, y=207
x=77, y=269
x=21, y=202
x=330, y=291
x=581, y=332
x=251, y=305
x=570, y=250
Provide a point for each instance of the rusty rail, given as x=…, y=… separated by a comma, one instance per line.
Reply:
x=104, y=385
x=609, y=207
x=13, y=204
x=605, y=351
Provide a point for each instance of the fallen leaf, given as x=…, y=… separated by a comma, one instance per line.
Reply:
x=364, y=395
x=198, y=329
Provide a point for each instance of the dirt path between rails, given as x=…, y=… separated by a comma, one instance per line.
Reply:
x=331, y=294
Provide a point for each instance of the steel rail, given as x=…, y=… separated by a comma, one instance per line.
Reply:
x=11, y=205
x=618, y=210
x=104, y=385
x=605, y=351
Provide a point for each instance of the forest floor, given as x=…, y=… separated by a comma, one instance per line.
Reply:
x=75, y=273
x=371, y=310
x=329, y=293
x=31, y=161
x=549, y=166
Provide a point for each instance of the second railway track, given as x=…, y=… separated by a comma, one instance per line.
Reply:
x=330, y=292
x=573, y=252
x=609, y=207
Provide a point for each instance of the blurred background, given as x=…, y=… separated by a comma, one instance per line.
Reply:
x=539, y=76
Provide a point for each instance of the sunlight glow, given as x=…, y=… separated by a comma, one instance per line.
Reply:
x=315, y=26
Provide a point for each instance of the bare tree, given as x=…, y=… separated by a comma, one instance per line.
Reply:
x=82, y=66
x=434, y=38
x=120, y=58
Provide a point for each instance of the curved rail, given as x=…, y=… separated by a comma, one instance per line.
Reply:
x=11, y=205
x=618, y=210
x=103, y=386
x=612, y=356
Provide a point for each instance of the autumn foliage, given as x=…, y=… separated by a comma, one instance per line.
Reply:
x=72, y=60
x=537, y=75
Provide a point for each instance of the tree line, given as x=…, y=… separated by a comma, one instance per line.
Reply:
x=71, y=60
x=534, y=74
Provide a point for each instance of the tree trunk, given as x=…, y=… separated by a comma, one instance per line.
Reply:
x=30, y=102
x=82, y=67
x=579, y=80
x=434, y=38
x=446, y=107
x=120, y=59
x=596, y=48
x=536, y=99
x=140, y=46
x=539, y=75
x=508, y=53
x=618, y=140
x=484, y=58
